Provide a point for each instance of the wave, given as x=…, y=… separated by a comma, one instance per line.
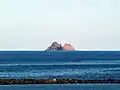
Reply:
x=60, y=64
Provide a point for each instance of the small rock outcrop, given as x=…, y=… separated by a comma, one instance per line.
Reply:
x=68, y=47
x=56, y=47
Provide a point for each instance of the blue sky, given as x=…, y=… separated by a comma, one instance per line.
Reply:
x=35, y=24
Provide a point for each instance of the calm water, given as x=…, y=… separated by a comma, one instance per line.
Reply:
x=62, y=87
x=77, y=65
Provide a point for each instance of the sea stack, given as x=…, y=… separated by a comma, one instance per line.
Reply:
x=55, y=46
x=58, y=47
x=68, y=47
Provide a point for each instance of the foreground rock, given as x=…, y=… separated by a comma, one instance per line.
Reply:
x=55, y=81
x=56, y=47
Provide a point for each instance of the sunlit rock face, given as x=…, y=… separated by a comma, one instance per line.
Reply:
x=68, y=47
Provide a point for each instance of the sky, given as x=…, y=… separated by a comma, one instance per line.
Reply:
x=35, y=24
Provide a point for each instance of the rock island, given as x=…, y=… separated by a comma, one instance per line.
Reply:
x=57, y=47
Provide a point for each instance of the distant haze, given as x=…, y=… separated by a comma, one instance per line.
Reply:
x=35, y=24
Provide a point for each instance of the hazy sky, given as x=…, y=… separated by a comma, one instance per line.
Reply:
x=35, y=24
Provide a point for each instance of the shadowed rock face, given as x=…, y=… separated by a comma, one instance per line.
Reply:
x=56, y=47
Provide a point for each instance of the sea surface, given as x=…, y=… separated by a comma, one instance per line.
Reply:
x=62, y=87
x=101, y=65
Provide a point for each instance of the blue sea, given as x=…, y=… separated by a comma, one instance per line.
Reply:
x=83, y=65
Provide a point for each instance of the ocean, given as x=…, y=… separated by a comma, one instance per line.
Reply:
x=85, y=65
x=62, y=87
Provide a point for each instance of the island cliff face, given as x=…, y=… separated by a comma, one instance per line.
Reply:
x=68, y=47
x=56, y=47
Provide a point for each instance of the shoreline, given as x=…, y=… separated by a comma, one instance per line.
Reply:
x=56, y=81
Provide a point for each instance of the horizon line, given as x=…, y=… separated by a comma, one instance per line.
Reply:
x=74, y=50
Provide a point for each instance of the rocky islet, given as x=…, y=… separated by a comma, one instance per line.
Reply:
x=56, y=47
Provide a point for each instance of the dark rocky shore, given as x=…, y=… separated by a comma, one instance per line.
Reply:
x=55, y=81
